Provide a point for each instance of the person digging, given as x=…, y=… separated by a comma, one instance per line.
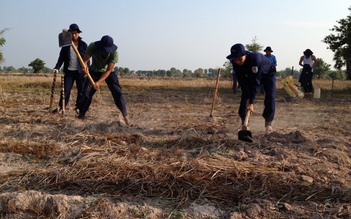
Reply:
x=104, y=57
x=253, y=69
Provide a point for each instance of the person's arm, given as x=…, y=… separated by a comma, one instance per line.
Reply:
x=104, y=75
x=60, y=59
x=301, y=60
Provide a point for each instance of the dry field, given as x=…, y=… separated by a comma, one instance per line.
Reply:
x=174, y=161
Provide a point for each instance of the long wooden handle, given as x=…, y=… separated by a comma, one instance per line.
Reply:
x=82, y=63
x=247, y=117
x=215, y=92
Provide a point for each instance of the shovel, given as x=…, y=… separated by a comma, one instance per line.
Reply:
x=65, y=39
x=244, y=134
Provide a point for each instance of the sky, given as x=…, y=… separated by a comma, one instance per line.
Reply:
x=161, y=34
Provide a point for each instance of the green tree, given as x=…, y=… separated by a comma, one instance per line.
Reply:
x=187, y=73
x=2, y=43
x=37, y=65
x=24, y=70
x=340, y=42
x=321, y=69
x=227, y=71
x=337, y=75
x=199, y=73
x=254, y=46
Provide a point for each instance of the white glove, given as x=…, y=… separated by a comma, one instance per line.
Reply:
x=55, y=71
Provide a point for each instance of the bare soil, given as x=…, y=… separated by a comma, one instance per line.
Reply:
x=174, y=161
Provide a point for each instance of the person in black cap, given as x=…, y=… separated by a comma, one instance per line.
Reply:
x=308, y=61
x=104, y=57
x=72, y=68
x=253, y=69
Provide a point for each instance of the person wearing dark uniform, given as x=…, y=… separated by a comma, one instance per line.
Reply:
x=253, y=69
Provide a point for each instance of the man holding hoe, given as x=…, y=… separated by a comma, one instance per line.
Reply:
x=104, y=57
x=253, y=69
x=72, y=68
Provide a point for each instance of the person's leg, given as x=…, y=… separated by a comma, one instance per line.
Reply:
x=68, y=80
x=242, y=107
x=309, y=81
x=68, y=83
x=269, y=84
x=88, y=94
x=79, y=78
x=116, y=91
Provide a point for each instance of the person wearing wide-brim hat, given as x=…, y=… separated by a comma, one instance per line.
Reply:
x=268, y=50
x=72, y=68
x=104, y=57
x=253, y=69
x=308, y=61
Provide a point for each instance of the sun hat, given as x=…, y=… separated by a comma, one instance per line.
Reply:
x=268, y=48
x=74, y=27
x=236, y=51
x=308, y=52
x=105, y=45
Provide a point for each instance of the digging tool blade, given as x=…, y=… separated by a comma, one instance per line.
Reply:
x=65, y=38
x=244, y=134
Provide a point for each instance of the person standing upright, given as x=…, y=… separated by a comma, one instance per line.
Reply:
x=72, y=68
x=253, y=69
x=268, y=50
x=308, y=61
x=104, y=57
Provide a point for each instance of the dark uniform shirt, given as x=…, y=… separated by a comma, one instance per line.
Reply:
x=250, y=79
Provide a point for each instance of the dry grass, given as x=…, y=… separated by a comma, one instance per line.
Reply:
x=174, y=158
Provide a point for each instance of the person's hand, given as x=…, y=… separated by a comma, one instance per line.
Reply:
x=55, y=71
x=85, y=71
x=96, y=85
x=249, y=106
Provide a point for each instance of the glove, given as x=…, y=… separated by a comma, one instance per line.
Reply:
x=55, y=71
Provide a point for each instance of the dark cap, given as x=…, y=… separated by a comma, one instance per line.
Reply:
x=308, y=52
x=105, y=45
x=74, y=27
x=236, y=51
x=268, y=48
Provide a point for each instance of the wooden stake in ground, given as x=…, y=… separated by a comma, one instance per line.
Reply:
x=215, y=92
x=52, y=91
x=63, y=94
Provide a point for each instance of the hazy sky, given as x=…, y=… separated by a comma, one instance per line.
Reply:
x=161, y=34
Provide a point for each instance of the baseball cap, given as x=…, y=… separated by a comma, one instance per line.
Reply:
x=236, y=51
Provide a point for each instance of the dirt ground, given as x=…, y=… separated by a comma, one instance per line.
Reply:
x=174, y=161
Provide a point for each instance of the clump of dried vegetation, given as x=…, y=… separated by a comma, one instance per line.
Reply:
x=175, y=161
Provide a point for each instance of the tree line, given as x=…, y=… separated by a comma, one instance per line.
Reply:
x=339, y=42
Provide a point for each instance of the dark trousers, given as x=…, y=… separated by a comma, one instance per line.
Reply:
x=269, y=86
x=69, y=78
x=113, y=85
x=306, y=78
